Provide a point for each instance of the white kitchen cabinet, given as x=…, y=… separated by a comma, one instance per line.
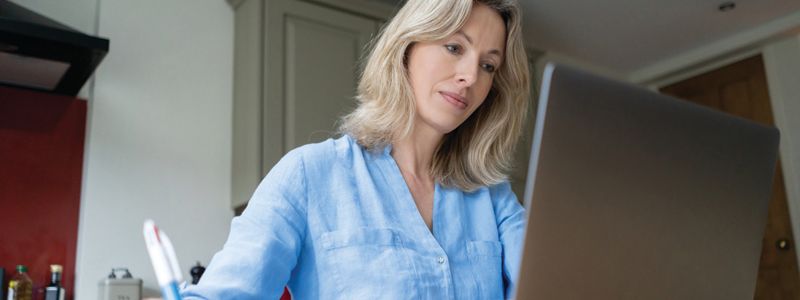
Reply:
x=296, y=68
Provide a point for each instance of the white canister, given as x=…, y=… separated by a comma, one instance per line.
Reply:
x=125, y=288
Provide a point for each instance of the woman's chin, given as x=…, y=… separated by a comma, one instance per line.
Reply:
x=446, y=128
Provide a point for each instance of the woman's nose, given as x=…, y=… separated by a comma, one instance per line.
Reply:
x=467, y=72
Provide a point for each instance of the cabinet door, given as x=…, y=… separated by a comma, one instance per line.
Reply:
x=296, y=70
x=312, y=65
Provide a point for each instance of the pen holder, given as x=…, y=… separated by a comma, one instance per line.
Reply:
x=114, y=288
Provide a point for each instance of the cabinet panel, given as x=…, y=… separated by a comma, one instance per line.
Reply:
x=317, y=96
x=296, y=70
x=311, y=72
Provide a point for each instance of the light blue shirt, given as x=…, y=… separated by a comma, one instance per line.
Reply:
x=335, y=221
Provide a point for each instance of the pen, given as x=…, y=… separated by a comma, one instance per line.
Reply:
x=165, y=263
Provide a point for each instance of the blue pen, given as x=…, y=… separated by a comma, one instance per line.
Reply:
x=165, y=263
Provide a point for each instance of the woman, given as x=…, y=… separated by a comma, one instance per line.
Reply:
x=412, y=201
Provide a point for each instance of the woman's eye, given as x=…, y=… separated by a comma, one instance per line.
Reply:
x=452, y=48
x=488, y=68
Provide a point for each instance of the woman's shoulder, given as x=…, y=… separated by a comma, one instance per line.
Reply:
x=325, y=153
x=502, y=189
x=496, y=192
x=501, y=193
x=310, y=162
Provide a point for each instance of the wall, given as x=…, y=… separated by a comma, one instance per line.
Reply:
x=782, y=64
x=158, y=135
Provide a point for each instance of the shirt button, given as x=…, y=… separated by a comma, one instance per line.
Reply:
x=441, y=259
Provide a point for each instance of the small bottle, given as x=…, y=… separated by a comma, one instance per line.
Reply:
x=12, y=285
x=54, y=291
x=23, y=286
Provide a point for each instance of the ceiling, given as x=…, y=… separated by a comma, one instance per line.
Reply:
x=627, y=36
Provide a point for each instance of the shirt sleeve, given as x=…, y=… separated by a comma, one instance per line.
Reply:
x=511, y=227
x=264, y=242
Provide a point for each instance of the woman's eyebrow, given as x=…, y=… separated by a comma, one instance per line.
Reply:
x=462, y=33
x=469, y=40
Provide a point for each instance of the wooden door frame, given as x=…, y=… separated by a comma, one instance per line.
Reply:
x=774, y=68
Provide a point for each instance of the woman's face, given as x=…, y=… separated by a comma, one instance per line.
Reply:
x=451, y=77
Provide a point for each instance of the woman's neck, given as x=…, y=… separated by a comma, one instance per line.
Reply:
x=414, y=153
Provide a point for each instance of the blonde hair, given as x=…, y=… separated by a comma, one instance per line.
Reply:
x=480, y=150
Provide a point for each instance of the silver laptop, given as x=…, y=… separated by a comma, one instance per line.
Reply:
x=636, y=195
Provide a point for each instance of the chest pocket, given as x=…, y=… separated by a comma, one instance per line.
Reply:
x=368, y=263
x=486, y=259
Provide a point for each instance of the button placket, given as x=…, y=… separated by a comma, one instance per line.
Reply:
x=447, y=280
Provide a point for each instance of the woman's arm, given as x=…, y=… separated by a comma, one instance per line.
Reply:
x=511, y=227
x=264, y=242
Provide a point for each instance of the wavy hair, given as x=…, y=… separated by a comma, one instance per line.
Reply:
x=479, y=151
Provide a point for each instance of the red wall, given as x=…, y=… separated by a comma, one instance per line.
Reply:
x=41, y=161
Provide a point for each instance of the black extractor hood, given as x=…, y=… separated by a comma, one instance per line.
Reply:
x=41, y=54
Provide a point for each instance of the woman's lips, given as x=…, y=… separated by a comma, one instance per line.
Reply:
x=454, y=99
